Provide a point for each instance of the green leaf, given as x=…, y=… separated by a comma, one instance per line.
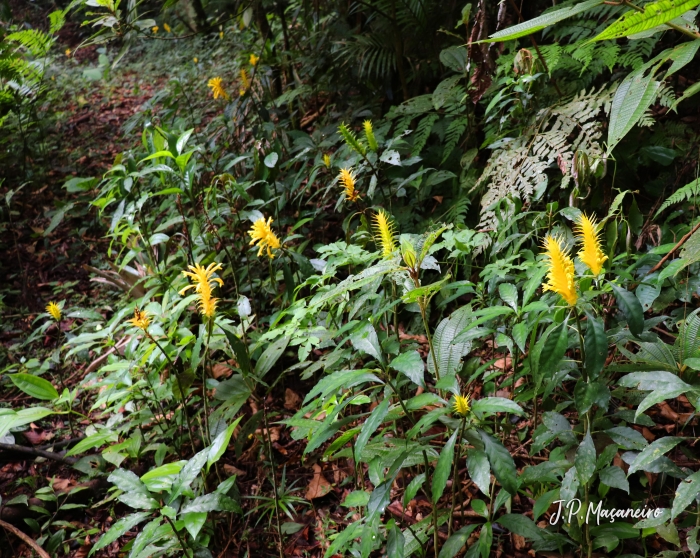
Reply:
x=631, y=308
x=686, y=493
x=479, y=469
x=187, y=474
x=588, y=394
x=356, y=499
x=502, y=463
x=545, y=20
x=521, y=525
x=194, y=521
x=656, y=13
x=411, y=365
x=627, y=438
x=553, y=347
x=270, y=356
x=443, y=468
x=455, y=543
x=614, y=477
x=10, y=419
x=632, y=98
x=449, y=351
x=413, y=488
x=203, y=504
x=96, y=440
x=365, y=339
x=118, y=529
x=371, y=425
x=596, y=345
x=395, y=543
x=127, y=481
x=509, y=295
x=653, y=451
x=138, y=500
x=585, y=459
x=492, y=405
x=220, y=443
x=34, y=386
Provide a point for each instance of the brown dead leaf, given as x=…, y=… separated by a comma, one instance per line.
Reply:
x=292, y=401
x=648, y=434
x=319, y=486
x=63, y=485
x=231, y=470
x=221, y=369
x=36, y=437
x=518, y=542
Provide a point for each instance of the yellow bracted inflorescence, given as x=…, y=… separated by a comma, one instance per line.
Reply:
x=245, y=82
x=591, y=252
x=166, y=27
x=347, y=179
x=154, y=29
x=253, y=59
x=53, y=309
x=203, y=284
x=384, y=229
x=560, y=271
x=369, y=134
x=327, y=160
x=261, y=232
x=461, y=405
x=216, y=86
x=140, y=319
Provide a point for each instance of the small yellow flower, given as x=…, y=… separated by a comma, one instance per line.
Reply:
x=53, y=309
x=195, y=60
x=203, y=283
x=245, y=82
x=166, y=27
x=215, y=84
x=327, y=160
x=68, y=52
x=154, y=29
x=347, y=179
x=140, y=319
x=591, y=253
x=560, y=271
x=461, y=405
x=221, y=34
x=384, y=228
x=253, y=59
x=262, y=233
x=369, y=134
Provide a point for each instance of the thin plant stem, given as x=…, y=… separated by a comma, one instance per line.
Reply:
x=274, y=478
x=454, y=474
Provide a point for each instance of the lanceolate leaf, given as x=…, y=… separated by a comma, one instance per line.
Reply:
x=653, y=451
x=35, y=386
x=444, y=465
x=371, y=425
x=545, y=20
x=502, y=463
x=118, y=529
x=656, y=13
x=688, y=491
x=631, y=308
x=596, y=345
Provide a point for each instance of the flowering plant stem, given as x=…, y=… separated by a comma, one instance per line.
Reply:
x=455, y=471
x=205, y=363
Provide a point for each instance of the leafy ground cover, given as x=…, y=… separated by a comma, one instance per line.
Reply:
x=288, y=279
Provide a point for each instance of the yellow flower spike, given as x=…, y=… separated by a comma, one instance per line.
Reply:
x=262, y=234
x=327, y=160
x=53, y=309
x=154, y=29
x=221, y=34
x=461, y=405
x=140, y=320
x=560, y=271
x=195, y=60
x=369, y=134
x=253, y=59
x=203, y=283
x=591, y=253
x=215, y=84
x=347, y=179
x=245, y=80
x=166, y=27
x=68, y=51
x=384, y=228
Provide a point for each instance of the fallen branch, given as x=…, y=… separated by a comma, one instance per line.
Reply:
x=681, y=242
x=36, y=452
x=26, y=538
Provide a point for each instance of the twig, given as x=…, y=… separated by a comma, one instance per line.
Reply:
x=676, y=247
x=38, y=453
x=26, y=538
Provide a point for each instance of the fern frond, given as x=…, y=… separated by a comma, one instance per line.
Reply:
x=686, y=193
x=422, y=133
x=453, y=135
